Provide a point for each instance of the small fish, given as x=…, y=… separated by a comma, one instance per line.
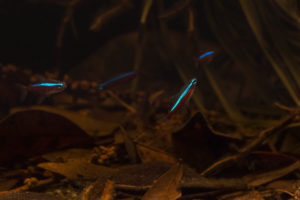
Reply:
x=184, y=97
x=44, y=88
x=117, y=80
x=206, y=57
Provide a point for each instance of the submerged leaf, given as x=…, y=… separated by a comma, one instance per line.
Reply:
x=78, y=169
x=91, y=126
x=198, y=144
x=148, y=154
x=27, y=196
x=33, y=132
x=166, y=187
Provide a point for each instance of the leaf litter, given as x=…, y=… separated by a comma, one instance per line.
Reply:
x=91, y=145
x=99, y=174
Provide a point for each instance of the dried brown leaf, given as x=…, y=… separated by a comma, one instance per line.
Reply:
x=27, y=196
x=91, y=126
x=254, y=181
x=254, y=195
x=146, y=9
x=77, y=169
x=166, y=187
x=109, y=191
x=147, y=154
x=30, y=132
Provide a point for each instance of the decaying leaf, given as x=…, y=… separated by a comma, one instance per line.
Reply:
x=253, y=195
x=69, y=154
x=166, y=187
x=91, y=126
x=27, y=196
x=139, y=175
x=109, y=190
x=33, y=132
x=147, y=154
x=197, y=143
x=254, y=181
x=7, y=184
x=289, y=186
x=130, y=146
x=78, y=169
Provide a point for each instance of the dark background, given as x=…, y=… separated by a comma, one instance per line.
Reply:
x=29, y=32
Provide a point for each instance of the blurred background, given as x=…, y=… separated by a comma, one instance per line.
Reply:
x=255, y=42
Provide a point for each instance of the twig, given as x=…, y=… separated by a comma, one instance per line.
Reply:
x=191, y=22
x=255, y=181
x=124, y=104
x=175, y=10
x=132, y=187
x=73, y=25
x=108, y=191
x=129, y=145
x=67, y=19
x=31, y=185
x=141, y=41
x=286, y=108
x=252, y=13
x=245, y=182
x=230, y=109
x=197, y=98
x=107, y=15
x=146, y=9
x=251, y=146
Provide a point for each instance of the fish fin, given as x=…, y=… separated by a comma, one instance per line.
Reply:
x=23, y=92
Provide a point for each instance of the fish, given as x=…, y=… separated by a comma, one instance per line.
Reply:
x=206, y=57
x=117, y=80
x=183, y=98
x=46, y=89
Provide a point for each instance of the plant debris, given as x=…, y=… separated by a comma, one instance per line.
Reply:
x=104, y=117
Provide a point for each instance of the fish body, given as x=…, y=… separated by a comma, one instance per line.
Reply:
x=184, y=97
x=48, y=88
x=117, y=80
x=206, y=57
x=44, y=88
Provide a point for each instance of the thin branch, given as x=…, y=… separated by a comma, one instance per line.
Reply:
x=121, y=102
x=262, y=136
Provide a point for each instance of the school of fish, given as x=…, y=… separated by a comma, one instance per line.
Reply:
x=47, y=88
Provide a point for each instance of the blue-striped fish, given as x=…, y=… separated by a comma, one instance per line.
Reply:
x=206, y=57
x=117, y=80
x=44, y=88
x=184, y=97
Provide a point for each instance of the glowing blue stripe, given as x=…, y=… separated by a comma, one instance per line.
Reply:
x=48, y=85
x=115, y=79
x=206, y=54
x=193, y=81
